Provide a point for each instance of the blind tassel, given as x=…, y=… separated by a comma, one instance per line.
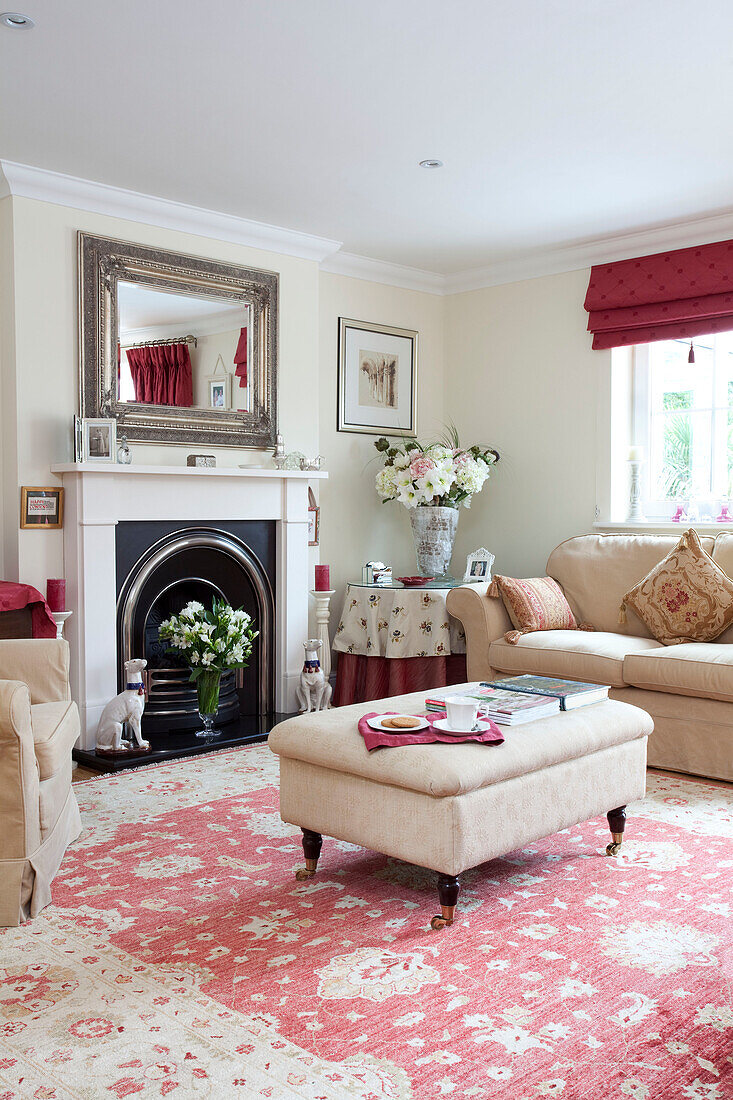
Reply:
x=691, y=354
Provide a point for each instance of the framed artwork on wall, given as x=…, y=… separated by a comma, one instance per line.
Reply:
x=41, y=508
x=377, y=379
x=314, y=520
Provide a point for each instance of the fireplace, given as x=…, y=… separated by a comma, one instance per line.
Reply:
x=114, y=551
x=191, y=562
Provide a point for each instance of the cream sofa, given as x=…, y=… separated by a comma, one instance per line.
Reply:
x=39, y=816
x=687, y=689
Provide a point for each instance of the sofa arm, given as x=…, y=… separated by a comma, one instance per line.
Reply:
x=41, y=663
x=19, y=783
x=484, y=620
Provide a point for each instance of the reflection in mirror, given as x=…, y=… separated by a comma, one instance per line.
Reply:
x=182, y=350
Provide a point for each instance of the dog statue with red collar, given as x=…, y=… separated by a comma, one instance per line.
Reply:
x=128, y=707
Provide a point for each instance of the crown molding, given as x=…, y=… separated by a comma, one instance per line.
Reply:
x=379, y=271
x=599, y=250
x=27, y=182
x=37, y=183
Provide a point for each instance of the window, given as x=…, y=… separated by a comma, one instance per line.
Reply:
x=683, y=416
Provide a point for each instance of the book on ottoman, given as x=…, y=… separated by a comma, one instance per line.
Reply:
x=571, y=693
x=508, y=708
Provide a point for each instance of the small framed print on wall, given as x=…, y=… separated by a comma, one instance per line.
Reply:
x=41, y=508
x=314, y=519
x=377, y=382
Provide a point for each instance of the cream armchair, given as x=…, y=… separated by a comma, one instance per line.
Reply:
x=39, y=815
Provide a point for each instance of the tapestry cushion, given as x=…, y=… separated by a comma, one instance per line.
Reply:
x=685, y=598
x=535, y=603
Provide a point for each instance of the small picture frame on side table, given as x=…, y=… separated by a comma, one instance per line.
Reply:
x=100, y=439
x=41, y=508
x=478, y=566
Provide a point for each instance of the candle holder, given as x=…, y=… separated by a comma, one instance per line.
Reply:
x=60, y=617
x=636, y=512
x=323, y=618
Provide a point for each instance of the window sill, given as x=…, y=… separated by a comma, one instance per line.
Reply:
x=656, y=527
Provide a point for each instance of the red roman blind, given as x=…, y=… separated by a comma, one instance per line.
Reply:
x=668, y=296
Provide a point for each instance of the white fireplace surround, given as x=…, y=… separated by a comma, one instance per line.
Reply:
x=99, y=496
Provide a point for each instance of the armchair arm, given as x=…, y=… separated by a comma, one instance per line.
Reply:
x=41, y=663
x=484, y=620
x=19, y=783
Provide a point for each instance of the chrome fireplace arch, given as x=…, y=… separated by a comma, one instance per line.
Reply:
x=210, y=538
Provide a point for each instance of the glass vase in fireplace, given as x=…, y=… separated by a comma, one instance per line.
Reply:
x=207, y=692
x=211, y=642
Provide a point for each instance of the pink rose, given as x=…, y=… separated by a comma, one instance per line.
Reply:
x=421, y=465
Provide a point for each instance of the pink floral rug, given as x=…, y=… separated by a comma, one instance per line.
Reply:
x=182, y=957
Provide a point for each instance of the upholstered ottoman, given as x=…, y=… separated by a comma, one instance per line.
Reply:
x=451, y=807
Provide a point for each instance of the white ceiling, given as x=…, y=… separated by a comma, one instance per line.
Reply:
x=559, y=121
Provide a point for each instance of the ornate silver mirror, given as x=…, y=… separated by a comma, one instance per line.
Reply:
x=176, y=348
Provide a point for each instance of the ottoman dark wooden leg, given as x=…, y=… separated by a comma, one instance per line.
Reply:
x=448, y=889
x=616, y=822
x=311, y=849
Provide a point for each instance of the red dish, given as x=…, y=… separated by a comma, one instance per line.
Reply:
x=415, y=582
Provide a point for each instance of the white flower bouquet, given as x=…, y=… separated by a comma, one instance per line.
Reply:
x=210, y=641
x=438, y=475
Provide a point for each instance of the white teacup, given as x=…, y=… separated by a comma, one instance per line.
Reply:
x=461, y=711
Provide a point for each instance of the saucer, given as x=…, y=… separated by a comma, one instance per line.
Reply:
x=376, y=723
x=482, y=724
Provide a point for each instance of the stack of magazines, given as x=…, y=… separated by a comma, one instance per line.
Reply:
x=508, y=708
x=518, y=699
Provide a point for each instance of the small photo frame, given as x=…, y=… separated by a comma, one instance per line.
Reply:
x=100, y=439
x=314, y=520
x=478, y=566
x=41, y=508
x=219, y=388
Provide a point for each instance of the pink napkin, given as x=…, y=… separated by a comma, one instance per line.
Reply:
x=377, y=739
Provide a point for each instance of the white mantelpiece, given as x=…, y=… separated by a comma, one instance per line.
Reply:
x=99, y=496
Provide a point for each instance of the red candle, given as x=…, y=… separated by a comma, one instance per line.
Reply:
x=323, y=578
x=56, y=594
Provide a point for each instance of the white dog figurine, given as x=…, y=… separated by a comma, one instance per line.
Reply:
x=128, y=707
x=314, y=691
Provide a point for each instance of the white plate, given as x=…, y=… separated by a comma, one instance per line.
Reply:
x=482, y=724
x=376, y=723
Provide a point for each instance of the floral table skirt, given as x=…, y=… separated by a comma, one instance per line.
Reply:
x=395, y=640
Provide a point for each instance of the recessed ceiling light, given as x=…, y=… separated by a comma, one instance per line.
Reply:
x=431, y=163
x=16, y=21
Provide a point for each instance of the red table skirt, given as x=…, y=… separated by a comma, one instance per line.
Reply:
x=360, y=678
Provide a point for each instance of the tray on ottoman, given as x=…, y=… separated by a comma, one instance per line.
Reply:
x=452, y=807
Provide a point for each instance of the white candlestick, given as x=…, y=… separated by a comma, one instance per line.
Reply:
x=636, y=513
x=60, y=617
x=323, y=618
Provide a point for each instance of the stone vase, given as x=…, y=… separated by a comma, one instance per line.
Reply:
x=434, y=533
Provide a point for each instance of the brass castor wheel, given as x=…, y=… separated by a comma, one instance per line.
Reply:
x=303, y=874
x=438, y=923
x=614, y=848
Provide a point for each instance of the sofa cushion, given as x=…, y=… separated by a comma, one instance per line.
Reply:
x=535, y=603
x=700, y=669
x=686, y=597
x=55, y=729
x=571, y=654
x=595, y=571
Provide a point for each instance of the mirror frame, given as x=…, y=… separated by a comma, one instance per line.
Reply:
x=103, y=263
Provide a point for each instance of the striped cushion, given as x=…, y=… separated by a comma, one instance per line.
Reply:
x=534, y=604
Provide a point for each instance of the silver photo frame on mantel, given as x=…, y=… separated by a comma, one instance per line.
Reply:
x=197, y=307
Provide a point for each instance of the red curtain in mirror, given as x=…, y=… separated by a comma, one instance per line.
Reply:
x=161, y=374
x=240, y=359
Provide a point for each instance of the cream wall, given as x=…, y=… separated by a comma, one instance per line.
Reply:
x=355, y=525
x=521, y=376
x=46, y=357
x=8, y=457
